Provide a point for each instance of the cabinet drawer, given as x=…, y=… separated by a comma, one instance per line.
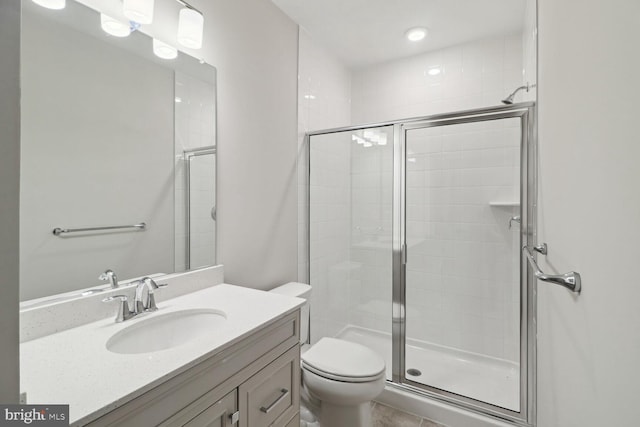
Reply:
x=272, y=396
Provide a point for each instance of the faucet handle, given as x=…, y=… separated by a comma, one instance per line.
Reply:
x=152, y=283
x=124, y=312
x=151, y=298
x=149, y=304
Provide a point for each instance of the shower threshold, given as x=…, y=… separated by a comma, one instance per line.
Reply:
x=484, y=378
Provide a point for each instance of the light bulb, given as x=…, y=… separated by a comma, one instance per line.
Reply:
x=163, y=50
x=416, y=34
x=190, y=28
x=114, y=27
x=51, y=4
x=140, y=11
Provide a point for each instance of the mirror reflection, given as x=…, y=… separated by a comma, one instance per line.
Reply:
x=111, y=136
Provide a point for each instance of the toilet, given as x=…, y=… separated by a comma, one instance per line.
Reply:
x=340, y=376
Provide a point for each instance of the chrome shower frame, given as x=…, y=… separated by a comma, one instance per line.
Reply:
x=528, y=178
x=526, y=112
x=187, y=155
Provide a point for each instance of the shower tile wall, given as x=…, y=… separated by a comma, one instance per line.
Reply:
x=194, y=128
x=462, y=261
x=472, y=75
x=203, y=199
x=330, y=222
x=370, y=277
x=324, y=92
x=447, y=310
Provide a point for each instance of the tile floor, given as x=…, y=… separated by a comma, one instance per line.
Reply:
x=385, y=416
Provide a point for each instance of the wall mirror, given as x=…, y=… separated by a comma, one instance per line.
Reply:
x=111, y=136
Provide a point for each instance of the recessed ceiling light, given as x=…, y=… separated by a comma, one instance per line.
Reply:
x=434, y=71
x=416, y=34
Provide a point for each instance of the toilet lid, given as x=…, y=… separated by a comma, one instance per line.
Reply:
x=342, y=360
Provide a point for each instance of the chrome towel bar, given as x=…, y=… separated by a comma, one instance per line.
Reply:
x=60, y=231
x=570, y=280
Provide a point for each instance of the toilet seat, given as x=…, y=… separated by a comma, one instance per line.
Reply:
x=343, y=361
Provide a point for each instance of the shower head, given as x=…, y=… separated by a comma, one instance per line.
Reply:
x=509, y=99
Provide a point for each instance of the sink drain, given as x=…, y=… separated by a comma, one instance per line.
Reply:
x=414, y=372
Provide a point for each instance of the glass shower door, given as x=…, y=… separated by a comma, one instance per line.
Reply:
x=201, y=207
x=350, y=229
x=462, y=259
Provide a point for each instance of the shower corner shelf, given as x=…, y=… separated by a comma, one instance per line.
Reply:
x=506, y=204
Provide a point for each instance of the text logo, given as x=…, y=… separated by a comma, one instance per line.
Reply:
x=34, y=415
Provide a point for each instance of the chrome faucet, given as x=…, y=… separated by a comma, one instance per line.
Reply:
x=124, y=313
x=139, y=305
x=148, y=304
x=111, y=277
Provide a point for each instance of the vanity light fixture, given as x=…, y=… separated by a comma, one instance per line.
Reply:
x=164, y=50
x=51, y=4
x=190, y=26
x=140, y=11
x=114, y=27
x=416, y=34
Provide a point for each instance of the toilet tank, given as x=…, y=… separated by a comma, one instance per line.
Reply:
x=299, y=290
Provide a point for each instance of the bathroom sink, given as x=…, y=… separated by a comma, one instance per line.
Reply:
x=165, y=331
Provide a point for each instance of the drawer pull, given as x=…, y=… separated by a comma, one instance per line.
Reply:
x=284, y=394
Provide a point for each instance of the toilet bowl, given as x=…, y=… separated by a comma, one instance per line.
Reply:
x=343, y=377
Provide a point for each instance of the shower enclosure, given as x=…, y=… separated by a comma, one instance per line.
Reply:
x=199, y=207
x=415, y=236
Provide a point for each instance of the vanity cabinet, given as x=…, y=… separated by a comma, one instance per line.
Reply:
x=270, y=397
x=254, y=382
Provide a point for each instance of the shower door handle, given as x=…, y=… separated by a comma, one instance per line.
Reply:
x=570, y=280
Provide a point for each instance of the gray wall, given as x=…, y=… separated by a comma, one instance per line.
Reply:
x=254, y=46
x=589, y=207
x=9, y=197
x=94, y=153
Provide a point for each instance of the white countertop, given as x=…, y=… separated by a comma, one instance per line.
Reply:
x=74, y=367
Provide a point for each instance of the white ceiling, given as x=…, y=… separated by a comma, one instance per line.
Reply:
x=364, y=32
